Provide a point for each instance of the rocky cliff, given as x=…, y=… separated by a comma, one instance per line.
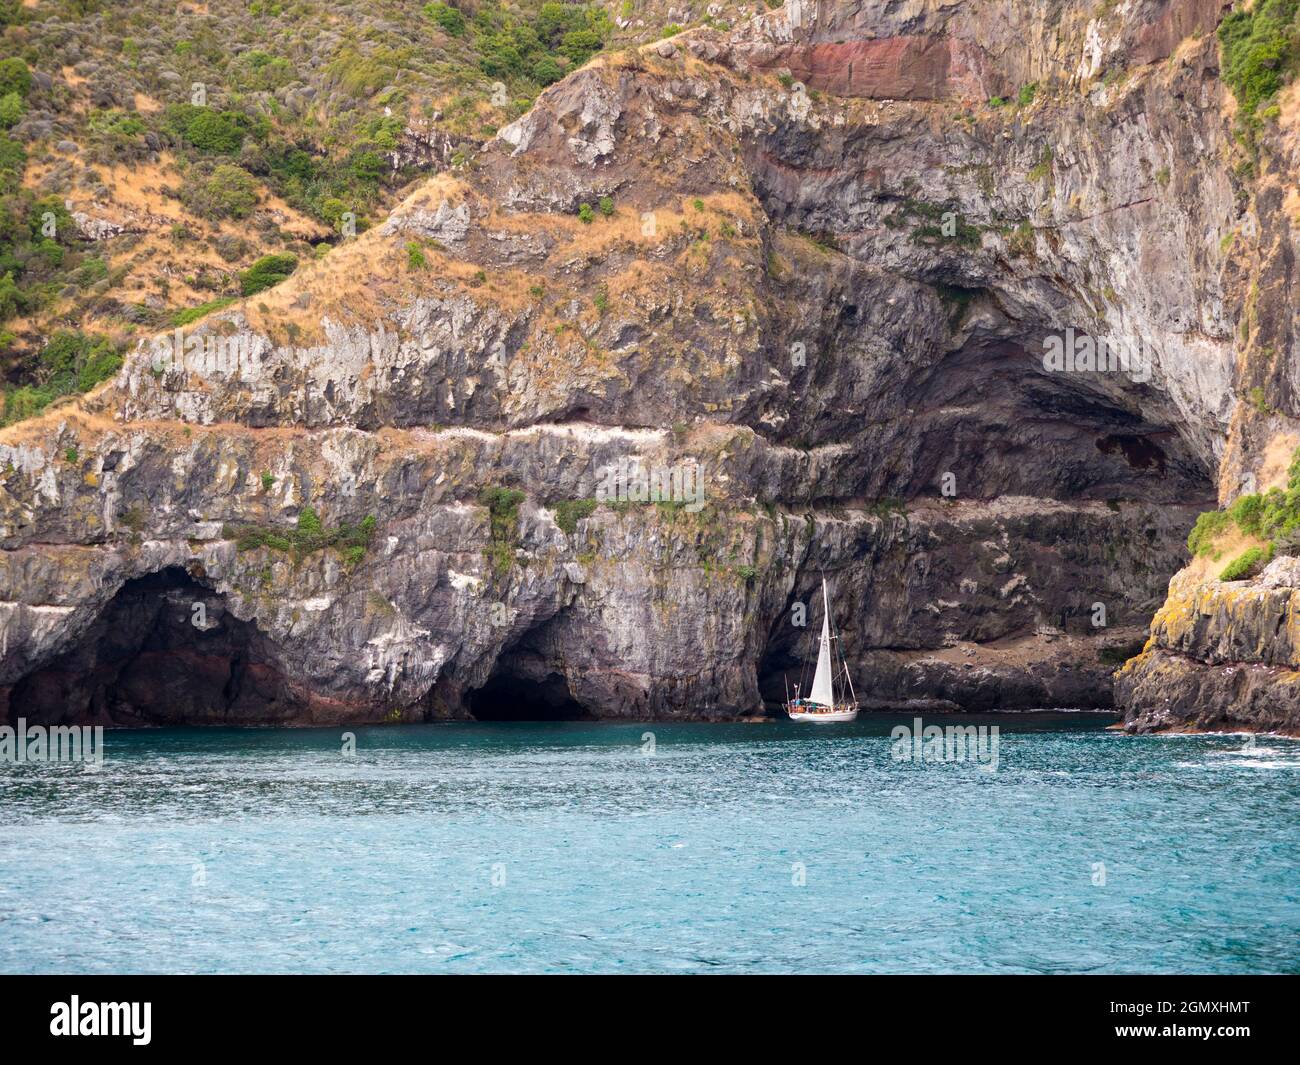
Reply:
x=582, y=424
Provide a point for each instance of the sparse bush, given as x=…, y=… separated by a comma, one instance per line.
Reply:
x=1245, y=565
x=1116, y=654
x=269, y=270
x=308, y=536
x=1210, y=525
x=568, y=512
x=193, y=314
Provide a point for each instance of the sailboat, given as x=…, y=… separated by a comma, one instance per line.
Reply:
x=820, y=704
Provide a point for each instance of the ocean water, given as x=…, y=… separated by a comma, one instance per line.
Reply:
x=730, y=848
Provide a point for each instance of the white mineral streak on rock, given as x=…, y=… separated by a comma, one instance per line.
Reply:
x=463, y=581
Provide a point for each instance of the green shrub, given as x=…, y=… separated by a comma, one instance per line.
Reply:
x=1200, y=541
x=11, y=110
x=193, y=314
x=367, y=167
x=606, y=206
x=70, y=362
x=231, y=192
x=546, y=71
x=14, y=77
x=214, y=132
x=308, y=536
x=1245, y=565
x=12, y=300
x=503, y=507
x=503, y=512
x=1259, y=47
x=415, y=257
x=1273, y=516
x=580, y=45
x=309, y=521
x=268, y=271
x=90, y=272
x=568, y=512
x=1247, y=512
x=585, y=214
x=448, y=18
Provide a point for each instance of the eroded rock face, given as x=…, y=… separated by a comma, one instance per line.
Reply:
x=829, y=301
x=1222, y=656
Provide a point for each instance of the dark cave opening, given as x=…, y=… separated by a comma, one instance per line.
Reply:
x=165, y=650
x=511, y=697
x=779, y=669
x=527, y=683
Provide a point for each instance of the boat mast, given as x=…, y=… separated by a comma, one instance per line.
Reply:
x=844, y=659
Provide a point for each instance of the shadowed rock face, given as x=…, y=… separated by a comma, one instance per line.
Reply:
x=163, y=651
x=830, y=304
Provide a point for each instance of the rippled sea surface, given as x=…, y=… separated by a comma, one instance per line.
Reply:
x=571, y=848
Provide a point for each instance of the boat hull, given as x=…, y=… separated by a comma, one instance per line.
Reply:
x=823, y=717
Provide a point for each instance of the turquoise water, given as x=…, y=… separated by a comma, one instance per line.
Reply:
x=566, y=848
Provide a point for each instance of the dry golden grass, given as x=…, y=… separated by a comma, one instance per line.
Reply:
x=1227, y=546
x=159, y=268
x=1276, y=461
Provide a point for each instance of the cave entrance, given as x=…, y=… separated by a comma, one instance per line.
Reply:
x=527, y=683
x=781, y=665
x=510, y=697
x=165, y=650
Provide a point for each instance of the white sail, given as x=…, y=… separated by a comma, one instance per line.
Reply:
x=821, y=685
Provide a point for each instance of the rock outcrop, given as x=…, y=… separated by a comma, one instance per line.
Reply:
x=801, y=275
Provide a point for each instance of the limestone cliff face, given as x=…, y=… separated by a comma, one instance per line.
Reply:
x=824, y=302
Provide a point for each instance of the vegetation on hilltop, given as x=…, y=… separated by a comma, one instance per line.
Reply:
x=1261, y=48
x=193, y=142
x=1272, y=516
